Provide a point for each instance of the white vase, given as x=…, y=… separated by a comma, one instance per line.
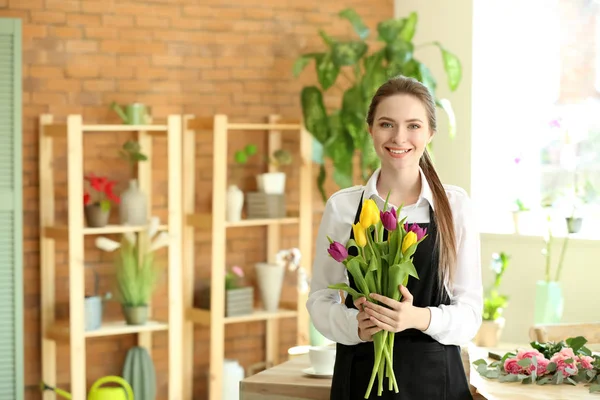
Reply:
x=490, y=332
x=133, y=208
x=271, y=182
x=270, y=280
x=235, y=203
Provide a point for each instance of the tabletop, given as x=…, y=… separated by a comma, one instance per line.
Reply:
x=286, y=381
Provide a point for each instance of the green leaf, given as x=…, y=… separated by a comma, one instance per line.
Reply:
x=408, y=30
x=445, y=105
x=327, y=71
x=343, y=286
x=594, y=388
x=341, y=150
x=353, y=267
x=399, y=52
x=426, y=78
x=543, y=381
x=359, y=27
x=321, y=182
x=509, y=378
x=571, y=381
x=301, y=63
x=525, y=362
x=576, y=343
x=374, y=75
x=326, y=38
x=390, y=29
x=551, y=367
x=315, y=116
x=370, y=279
x=352, y=116
x=481, y=361
x=347, y=53
x=452, y=66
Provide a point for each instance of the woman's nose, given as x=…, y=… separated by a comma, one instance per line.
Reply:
x=400, y=135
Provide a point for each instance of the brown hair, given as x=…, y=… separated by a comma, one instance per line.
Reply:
x=446, y=238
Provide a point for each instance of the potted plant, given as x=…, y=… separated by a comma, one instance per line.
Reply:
x=133, y=210
x=97, y=201
x=274, y=182
x=494, y=305
x=239, y=297
x=136, y=270
x=341, y=133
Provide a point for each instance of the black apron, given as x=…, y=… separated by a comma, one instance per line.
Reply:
x=425, y=369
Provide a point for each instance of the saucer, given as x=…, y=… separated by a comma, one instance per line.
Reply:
x=310, y=371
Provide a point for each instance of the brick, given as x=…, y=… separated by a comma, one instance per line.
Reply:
x=86, y=20
x=48, y=17
x=63, y=85
x=26, y=4
x=97, y=7
x=99, y=85
x=82, y=71
x=65, y=32
x=117, y=20
x=63, y=5
x=82, y=46
x=152, y=22
x=40, y=71
x=100, y=33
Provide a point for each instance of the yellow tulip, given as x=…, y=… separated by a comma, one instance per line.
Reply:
x=360, y=237
x=409, y=240
x=369, y=215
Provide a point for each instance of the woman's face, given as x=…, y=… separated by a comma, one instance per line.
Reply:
x=400, y=131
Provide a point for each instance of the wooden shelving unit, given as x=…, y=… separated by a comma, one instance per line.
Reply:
x=72, y=331
x=215, y=223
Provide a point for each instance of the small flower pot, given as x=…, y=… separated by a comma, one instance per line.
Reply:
x=239, y=301
x=574, y=224
x=489, y=333
x=137, y=315
x=95, y=216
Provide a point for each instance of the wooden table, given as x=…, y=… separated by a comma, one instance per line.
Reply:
x=491, y=389
x=287, y=382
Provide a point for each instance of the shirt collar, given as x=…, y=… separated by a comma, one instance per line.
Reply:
x=371, y=190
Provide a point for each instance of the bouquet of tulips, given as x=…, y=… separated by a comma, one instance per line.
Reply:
x=380, y=267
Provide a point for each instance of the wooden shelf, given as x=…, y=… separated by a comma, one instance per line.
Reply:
x=61, y=331
x=202, y=316
x=58, y=232
x=59, y=130
x=214, y=222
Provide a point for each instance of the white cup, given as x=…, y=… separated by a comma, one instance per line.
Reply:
x=322, y=359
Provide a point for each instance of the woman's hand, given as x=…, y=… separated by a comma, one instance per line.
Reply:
x=400, y=315
x=366, y=328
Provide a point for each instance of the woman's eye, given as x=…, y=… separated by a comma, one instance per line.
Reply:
x=414, y=126
x=386, y=125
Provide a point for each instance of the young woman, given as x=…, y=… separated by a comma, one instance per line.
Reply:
x=438, y=312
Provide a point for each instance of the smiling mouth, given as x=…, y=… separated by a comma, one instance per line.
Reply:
x=397, y=151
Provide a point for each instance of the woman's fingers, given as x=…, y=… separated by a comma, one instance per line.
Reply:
x=379, y=310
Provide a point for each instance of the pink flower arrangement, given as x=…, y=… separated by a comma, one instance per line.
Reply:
x=556, y=363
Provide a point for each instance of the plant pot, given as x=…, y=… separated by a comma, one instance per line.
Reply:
x=235, y=204
x=95, y=216
x=93, y=312
x=489, y=333
x=574, y=224
x=133, y=208
x=549, y=302
x=271, y=182
x=239, y=301
x=137, y=315
x=270, y=280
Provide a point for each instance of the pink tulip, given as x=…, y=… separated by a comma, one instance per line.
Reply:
x=238, y=271
x=389, y=219
x=337, y=251
x=420, y=232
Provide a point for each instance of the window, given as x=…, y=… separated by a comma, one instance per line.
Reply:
x=536, y=114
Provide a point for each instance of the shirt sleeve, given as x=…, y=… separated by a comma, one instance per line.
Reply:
x=329, y=315
x=458, y=323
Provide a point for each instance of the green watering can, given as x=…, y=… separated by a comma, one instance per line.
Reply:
x=101, y=393
x=132, y=114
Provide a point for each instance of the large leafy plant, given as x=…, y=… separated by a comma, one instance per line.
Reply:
x=343, y=131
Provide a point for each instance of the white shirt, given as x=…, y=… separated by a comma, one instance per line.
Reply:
x=456, y=323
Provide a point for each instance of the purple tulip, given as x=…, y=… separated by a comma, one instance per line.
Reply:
x=337, y=251
x=389, y=219
x=420, y=232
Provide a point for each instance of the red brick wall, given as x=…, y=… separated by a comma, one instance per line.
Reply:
x=179, y=56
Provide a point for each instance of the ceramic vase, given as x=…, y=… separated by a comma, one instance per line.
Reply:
x=235, y=203
x=135, y=315
x=271, y=182
x=549, y=302
x=133, y=209
x=95, y=216
x=270, y=280
x=489, y=333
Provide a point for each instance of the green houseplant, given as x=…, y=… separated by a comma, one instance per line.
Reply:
x=494, y=304
x=343, y=131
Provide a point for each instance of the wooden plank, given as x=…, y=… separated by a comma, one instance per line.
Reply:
x=47, y=254
x=263, y=127
x=199, y=316
x=188, y=206
x=261, y=315
x=144, y=178
x=76, y=256
x=124, y=128
x=217, y=301
x=61, y=332
x=562, y=331
x=305, y=230
x=262, y=221
x=175, y=223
